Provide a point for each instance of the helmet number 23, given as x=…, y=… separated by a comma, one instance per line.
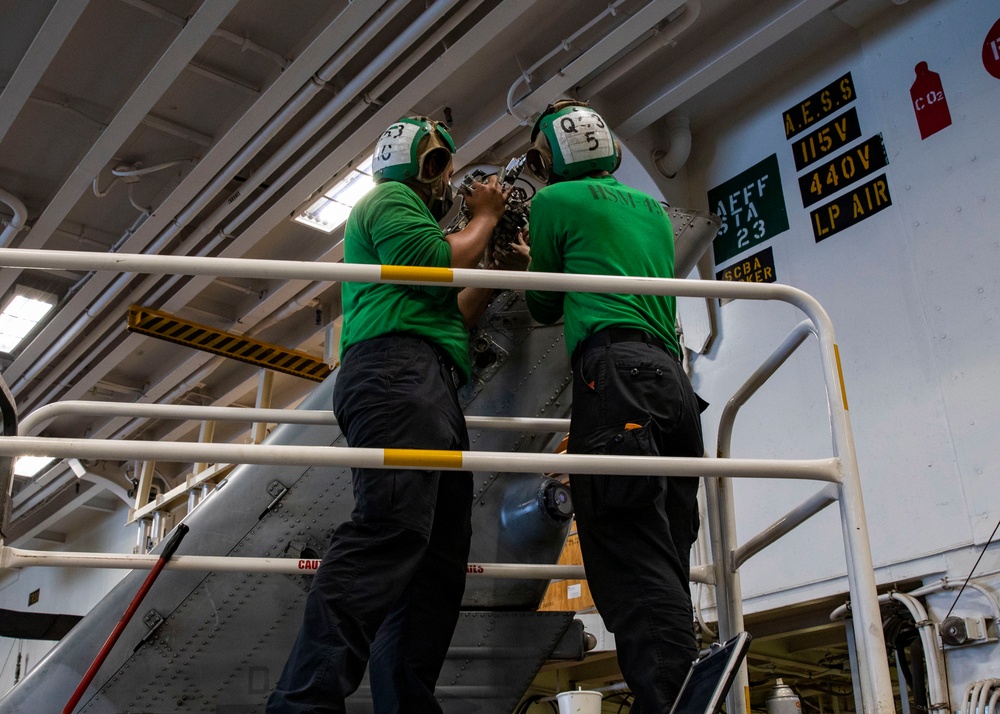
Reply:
x=393, y=132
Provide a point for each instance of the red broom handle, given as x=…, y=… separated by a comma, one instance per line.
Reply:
x=168, y=551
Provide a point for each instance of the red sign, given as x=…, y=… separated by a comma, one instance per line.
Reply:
x=991, y=50
x=929, y=103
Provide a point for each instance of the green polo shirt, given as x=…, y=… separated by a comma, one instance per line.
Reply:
x=391, y=225
x=599, y=226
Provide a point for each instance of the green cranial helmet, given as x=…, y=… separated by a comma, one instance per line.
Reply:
x=402, y=151
x=569, y=139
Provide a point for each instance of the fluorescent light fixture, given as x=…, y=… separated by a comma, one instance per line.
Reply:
x=22, y=313
x=331, y=210
x=28, y=466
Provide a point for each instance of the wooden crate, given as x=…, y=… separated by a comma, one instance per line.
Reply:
x=566, y=595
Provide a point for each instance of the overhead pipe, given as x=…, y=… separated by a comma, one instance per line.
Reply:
x=17, y=222
x=301, y=99
x=388, y=57
x=742, y=48
x=666, y=33
x=353, y=22
x=603, y=50
x=125, y=172
x=936, y=684
x=288, y=109
x=564, y=46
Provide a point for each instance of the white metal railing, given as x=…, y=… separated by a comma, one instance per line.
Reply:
x=827, y=469
x=317, y=417
x=21, y=558
x=875, y=682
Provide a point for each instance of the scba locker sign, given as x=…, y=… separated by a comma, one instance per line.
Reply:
x=752, y=208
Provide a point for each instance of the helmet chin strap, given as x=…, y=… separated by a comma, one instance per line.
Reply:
x=442, y=198
x=436, y=194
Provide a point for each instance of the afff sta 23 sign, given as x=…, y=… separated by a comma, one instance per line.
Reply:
x=752, y=208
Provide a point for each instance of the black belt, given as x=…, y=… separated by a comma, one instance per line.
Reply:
x=443, y=357
x=613, y=335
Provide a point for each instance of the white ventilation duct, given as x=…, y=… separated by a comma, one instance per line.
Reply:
x=669, y=162
x=17, y=222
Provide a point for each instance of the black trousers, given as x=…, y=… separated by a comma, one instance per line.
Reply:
x=390, y=586
x=636, y=532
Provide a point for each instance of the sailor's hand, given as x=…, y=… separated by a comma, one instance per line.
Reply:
x=516, y=256
x=485, y=199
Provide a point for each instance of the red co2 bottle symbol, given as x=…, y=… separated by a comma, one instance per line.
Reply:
x=929, y=103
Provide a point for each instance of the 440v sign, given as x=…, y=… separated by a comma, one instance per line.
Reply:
x=852, y=165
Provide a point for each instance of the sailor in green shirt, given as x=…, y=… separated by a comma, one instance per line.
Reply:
x=388, y=591
x=630, y=396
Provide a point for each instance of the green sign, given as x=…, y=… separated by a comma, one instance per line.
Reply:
x=752, y=208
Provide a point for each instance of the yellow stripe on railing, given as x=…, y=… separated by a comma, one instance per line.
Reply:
x=424, y=275
x=840, y=373
x=423, y=457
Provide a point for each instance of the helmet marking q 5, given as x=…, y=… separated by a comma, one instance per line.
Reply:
x=578, y=140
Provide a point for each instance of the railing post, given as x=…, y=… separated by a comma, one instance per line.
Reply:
x=873, y=660
x=728, y=592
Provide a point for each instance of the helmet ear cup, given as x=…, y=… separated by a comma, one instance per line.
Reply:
x=539, y=160
x=433, y=164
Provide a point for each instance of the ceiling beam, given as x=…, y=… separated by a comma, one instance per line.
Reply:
x=737, y=51
x=60, y=21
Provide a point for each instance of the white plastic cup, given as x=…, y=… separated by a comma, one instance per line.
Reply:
x=581, y=701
